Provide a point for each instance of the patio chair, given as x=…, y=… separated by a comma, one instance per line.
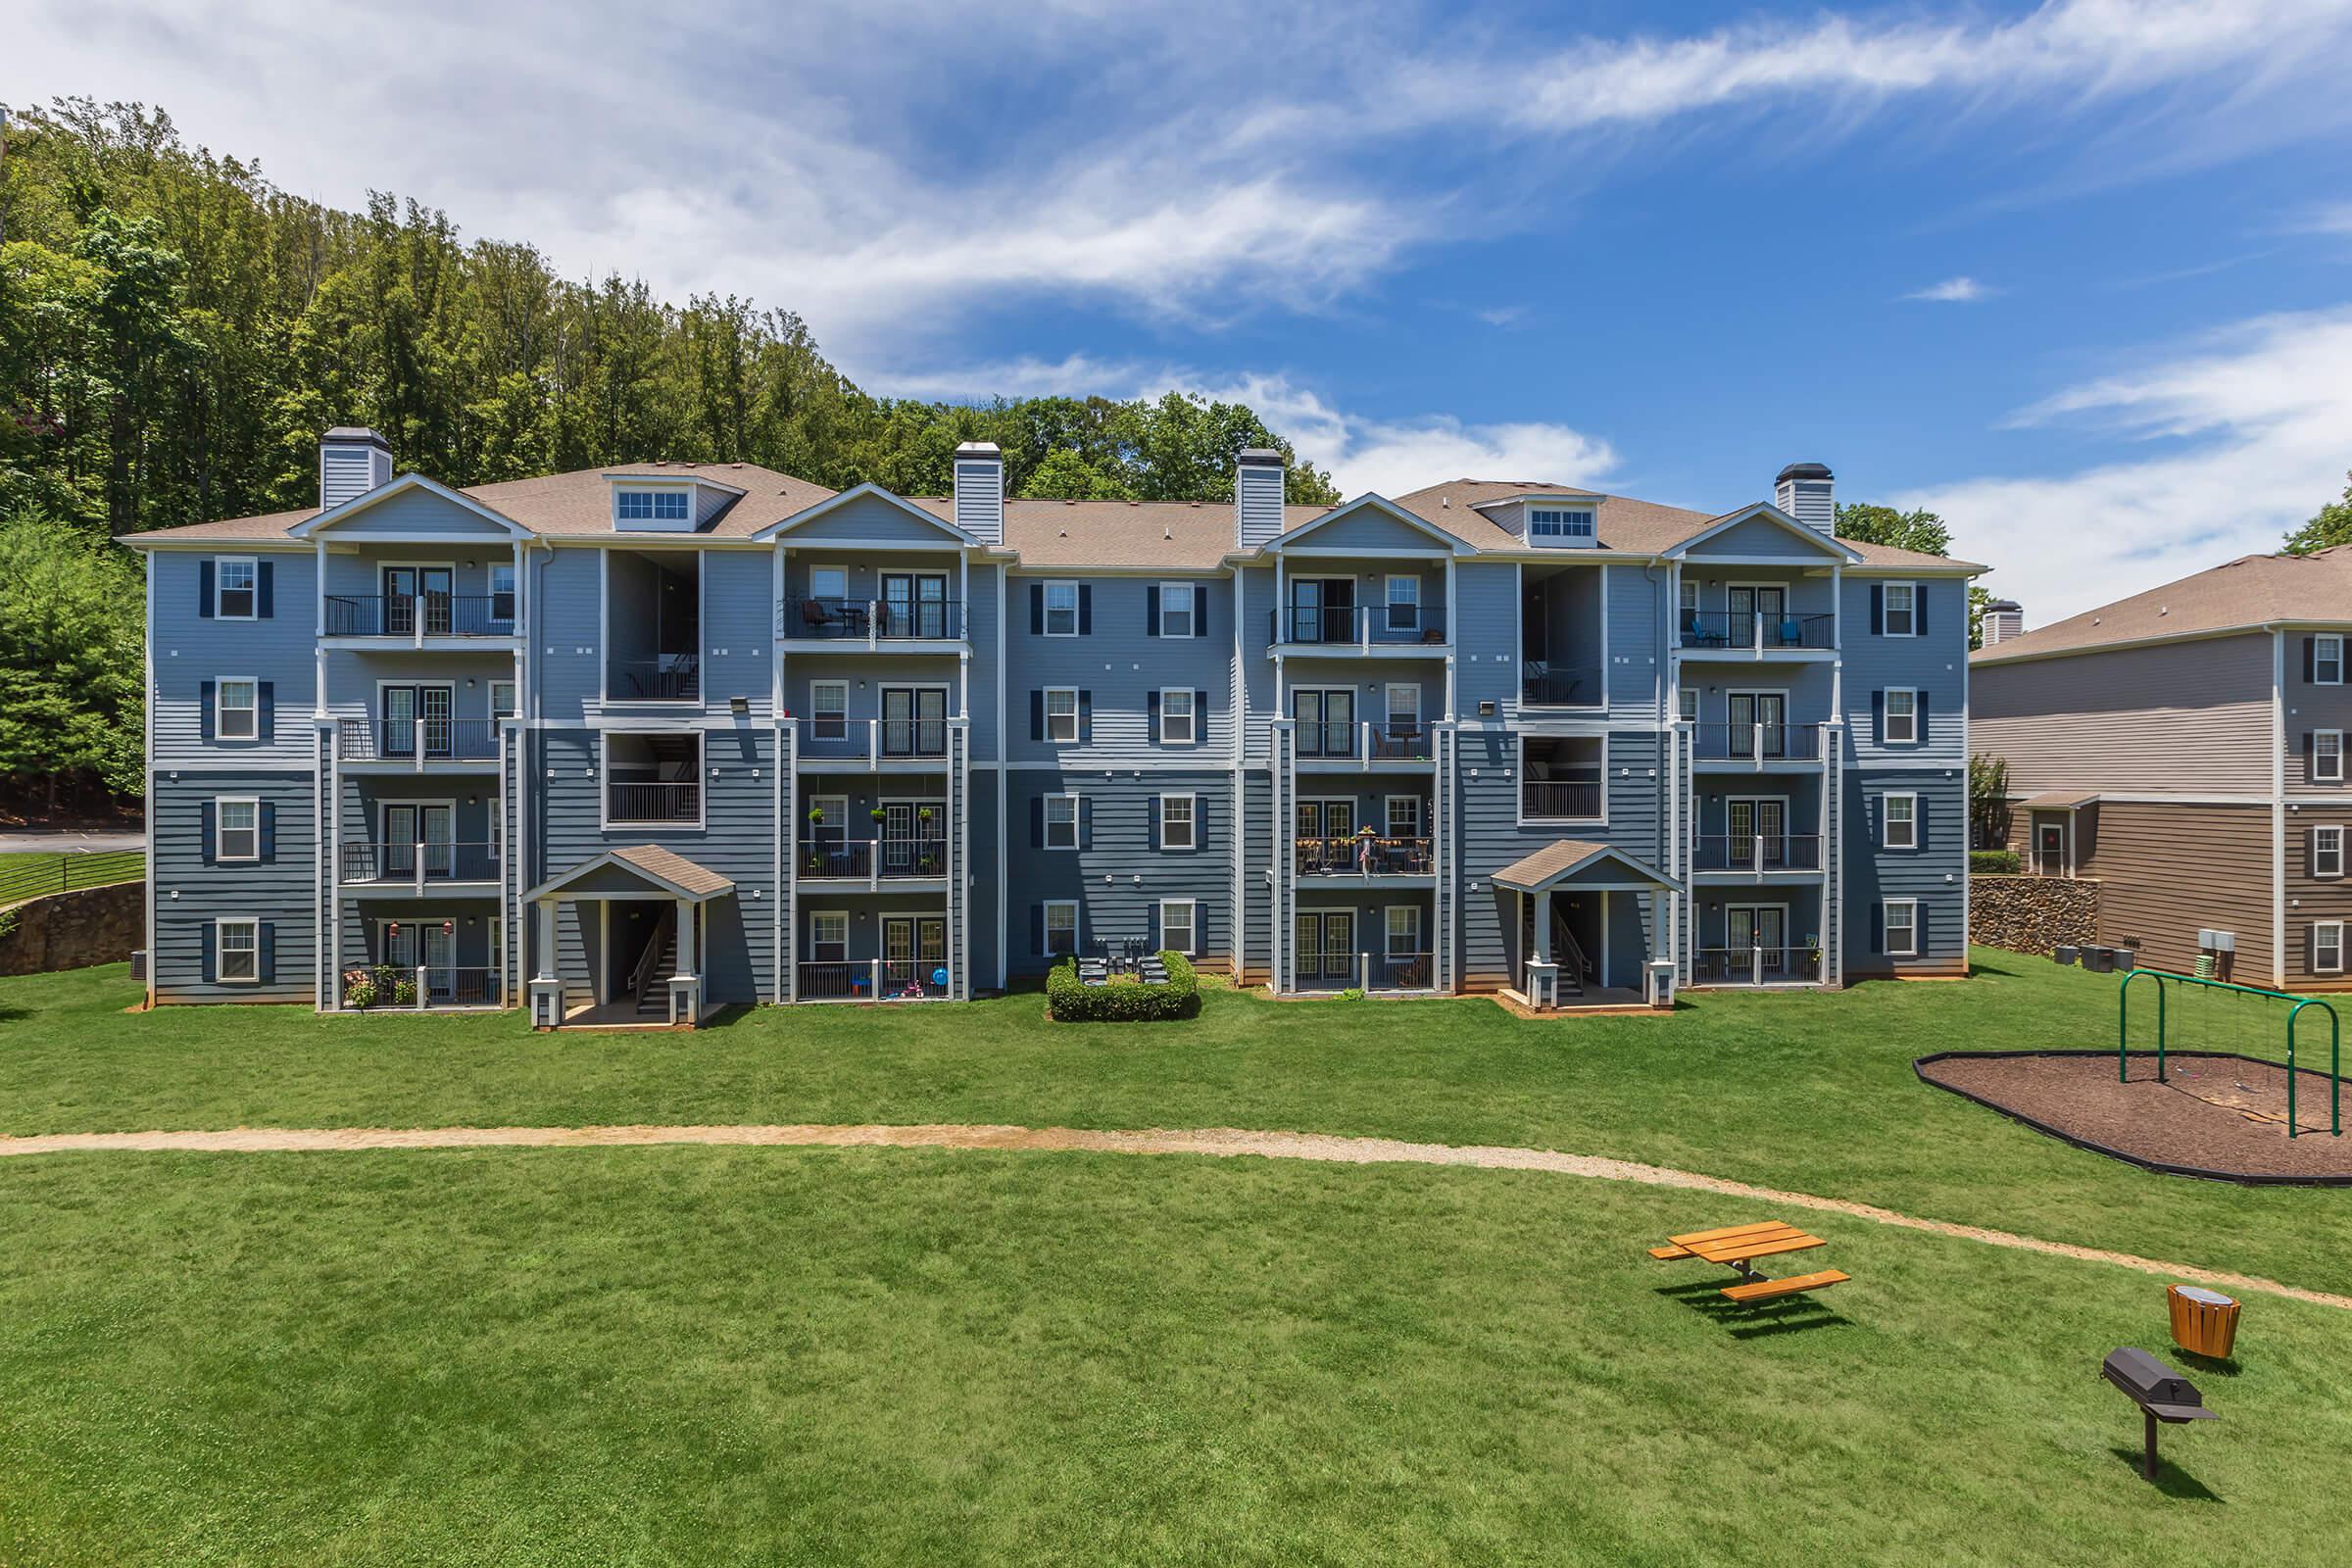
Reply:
x=1697, y=634
x=1792, y=631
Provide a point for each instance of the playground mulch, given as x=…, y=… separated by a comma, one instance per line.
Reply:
x=2216, y=1115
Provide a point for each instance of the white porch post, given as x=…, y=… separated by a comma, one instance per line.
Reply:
x=685, y=986
x=547, y=990
x=1543, y=975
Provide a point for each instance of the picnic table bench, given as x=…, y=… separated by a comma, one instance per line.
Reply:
x=1737, y=1246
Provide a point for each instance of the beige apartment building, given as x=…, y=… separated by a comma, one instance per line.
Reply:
x=2186, y=746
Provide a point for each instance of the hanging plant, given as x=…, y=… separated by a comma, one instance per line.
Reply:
x=816, y=814
x=878, y=813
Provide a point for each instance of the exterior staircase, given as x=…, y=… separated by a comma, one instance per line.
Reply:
x=649, y=982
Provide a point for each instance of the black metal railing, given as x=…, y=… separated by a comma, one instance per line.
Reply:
x=1400, y=972
x=1754, y=966
x=422, y=861
x=1397, y=741
x=865, y=859
x=1756, y=852
x=420, y=614
x=883, y=738
x=873, y=980
x=870, y=619
x=913, y=737
x=911, y=979
x=1715, y=743
x=1398, y=625
x=31, y=876
x=668, y=678
x=1571, y=798
x=403, y=740
x=665, y=802
x=377, y=986
x=1558, y=689
x=1334, y=739
x=1751, y=629
x=1362, y=855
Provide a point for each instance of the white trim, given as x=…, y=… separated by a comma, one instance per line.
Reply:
x=220, y=974
x=1192, y=925
x=1045, y=926
x=953, y=537
x=842, y=714
x=1184, y=592
x=1886, y=610
x=2318, y=777
x=1886, y=717
x=1077, y=718
x=1191, y=825
x=842, y=915
x=2337, y=638
x=1389, y=603
x=604, y=784
x=1045, y=624
x=1887, y=906
x=253, y=588
x=1887, y=819
x=1519, y=781
x=221, y=685
x=1388, y=817
x=1369, y=501
x=2337, y=929
x=1046, y=821
x=2316, y=829
x=402, y=485
x=1192, y=718
x=219, y=830
x=1765, y=509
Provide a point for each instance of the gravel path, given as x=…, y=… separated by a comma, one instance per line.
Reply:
x=1208, y=1140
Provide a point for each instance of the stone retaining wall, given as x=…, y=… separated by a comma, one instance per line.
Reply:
x=75, y=930
x=2033, y=913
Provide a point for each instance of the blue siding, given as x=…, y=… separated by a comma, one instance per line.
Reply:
x=1120, y=876
x=1935, y=663
x=1760, y=536
x=1367, y=529
x=871, y=519
x=416, y=512
x=1639, y=598
x=189, y=894
x=1934, y=873
x=190, y=650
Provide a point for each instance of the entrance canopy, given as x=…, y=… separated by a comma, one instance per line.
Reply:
x=1581, y=864
x=2059, y=800
x=642, y=871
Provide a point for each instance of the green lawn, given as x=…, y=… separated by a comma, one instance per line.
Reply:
x=778, y=1355
x=1807, y=1091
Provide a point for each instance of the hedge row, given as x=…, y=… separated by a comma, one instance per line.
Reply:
x=1124, y=1000
x=1993, y=862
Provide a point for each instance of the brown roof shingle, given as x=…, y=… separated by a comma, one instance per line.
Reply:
x=2248, y=592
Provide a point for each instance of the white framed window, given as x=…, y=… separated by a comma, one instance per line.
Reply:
x=1175, y=609
x=829, y=709
x=502, y=593
x=237, y=829
x=1176, y=716
x=1061, y=610
x=2327, y=659
x=501, y=700
x=1179, y=921
x=2327, y=946
x=1901, y=616
x=2327, y=850
x=1404, y=708
x=236, y=595
x=1177, y=820
x=1404, y=601
x=1689, y=597
x=1061, y=821
x=1902, y=716
x=237, y=709
x=238, y=952
x=1687, y=698
x=1061, y=714
x=1402, y=815
x=2327, y=756
x=1901, y=812
x=1559, y=525
x=828, y=936
x=651, y=505
x=1902, y=928
x=1061, y=927
x=1401, y=930
x=829, y=582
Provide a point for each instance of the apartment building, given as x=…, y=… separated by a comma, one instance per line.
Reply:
x=2185, y=748
x=641, y=742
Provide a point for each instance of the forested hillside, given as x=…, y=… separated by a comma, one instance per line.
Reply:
x=176, y=331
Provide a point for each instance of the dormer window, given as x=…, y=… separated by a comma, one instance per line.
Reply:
x=653, y=506
x=1559, y=527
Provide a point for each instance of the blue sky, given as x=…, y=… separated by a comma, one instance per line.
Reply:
x=2078, y=275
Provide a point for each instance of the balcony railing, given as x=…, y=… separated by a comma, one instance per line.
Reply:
x=1362, y=855
x=417, y=740
x=870, y=621
x=419, y=863
x=1336, y=969
x=1560, y=797
x=1756, y=966
x=874, y=980
x=877, y=740
x=417, y=615
x=1745, y=743
x=1326, y=740
x=655, y=804
x=1756, y=852
x=1751, y=630
x=383, y=987
x=1358, y=625
x=872, y=859
x=1397, y=741
x=1547, y=688
x=668, y=678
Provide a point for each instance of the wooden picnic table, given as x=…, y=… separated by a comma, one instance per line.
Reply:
x=1735, y=1246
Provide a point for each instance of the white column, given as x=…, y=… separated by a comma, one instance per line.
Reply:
x=546, y=908
x=685, y=940
x=1543, y=926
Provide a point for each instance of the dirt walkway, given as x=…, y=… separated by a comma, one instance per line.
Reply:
x=1208, y=1141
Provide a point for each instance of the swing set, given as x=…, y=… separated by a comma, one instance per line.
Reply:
x=2216, y=1014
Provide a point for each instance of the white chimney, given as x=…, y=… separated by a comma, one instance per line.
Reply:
x=2005, y=618
x=352, y=461
x=980, y=491
x=1806, y=491
x=1257, y=496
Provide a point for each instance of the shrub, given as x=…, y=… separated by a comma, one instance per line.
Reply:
x=1993, y=862
x=1352, y=993
x=360, y=994
x=1124, y=1000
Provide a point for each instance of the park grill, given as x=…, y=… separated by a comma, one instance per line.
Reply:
x=2162, y=1395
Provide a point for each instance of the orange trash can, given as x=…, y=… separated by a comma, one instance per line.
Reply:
x=2204, y=1322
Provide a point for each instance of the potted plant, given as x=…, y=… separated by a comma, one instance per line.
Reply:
x=817, y=817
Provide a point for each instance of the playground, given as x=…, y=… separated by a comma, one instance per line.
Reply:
x=2206, y=1078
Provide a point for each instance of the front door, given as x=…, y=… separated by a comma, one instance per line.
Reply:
x=1326, y=944
x=1752, y=927
x=899, y=847
x=440, y=980
x=410, y=828
x=915, y=604
x=914, y=721
x=2049, y=849
x=1325, y=829
x=1322, y=609
x=1749, y=821
x=1746, y=604
x=1326, y=720
x=1758, y=719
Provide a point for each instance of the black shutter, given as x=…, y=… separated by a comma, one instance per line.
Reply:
x=2310, y=665
x=1086, y=610
x=265, y=590
x=204, y=589
x=208, y=835
x=1037, y=609
x=204, y=711
x=1878, y=927
x=1037, y=822
x=1919, y=821
x=264, y=968
x=1878, y=609
x=211, y=965
x=1199, y=718
x=1918, y=715
x=1154, y=700
x=1037, y=928
x=1086, y=718
x=1085, y=822
x=1037, y=715
x=1201, y=610
x=2309, y=774
x=265, y=722
x=1919, y=611
x=1155, y=941
x=1151, y=611
x=1878, y=717
x=1152, y=830
x=269, y=831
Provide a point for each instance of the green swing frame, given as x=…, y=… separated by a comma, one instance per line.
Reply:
x=2335, y=1076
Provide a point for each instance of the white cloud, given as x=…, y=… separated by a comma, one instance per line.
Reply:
x=2252, y=430
x=1953, y=291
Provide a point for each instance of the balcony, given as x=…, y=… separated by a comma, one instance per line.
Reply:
x=871, y=622
x=386, y=987
x=1756, y=634
x=1563, y=800
x=1756, y=966
x=1359, y=629
x=873, y=742
x=414, y=617
x=417, y=867
x=416, y=741
x=1362, y=855
x=1756, y=853
x=1753, y=744
x=874, y=861
x=1333, y=970
x=667, y=678
x=1362, y=741
x=874, y=980
x=1540, y=686
x=664, y=803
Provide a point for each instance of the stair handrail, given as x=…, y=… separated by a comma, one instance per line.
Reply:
x=1579, y=965
x=650, y=959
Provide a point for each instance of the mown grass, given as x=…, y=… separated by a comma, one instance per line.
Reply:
x=1812, y=1091
x=776, y=1355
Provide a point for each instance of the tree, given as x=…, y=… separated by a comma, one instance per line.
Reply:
x=70, y=663
x=2330, y=525
x=1920, y=530
x=1987, y=801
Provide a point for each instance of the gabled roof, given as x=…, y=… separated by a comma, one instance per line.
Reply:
x=2242, y=595
x=401, y=486
x=1368, y=502
x=1565, y=858
x=1766, y=512
x=834, y=502
x=661, y=868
